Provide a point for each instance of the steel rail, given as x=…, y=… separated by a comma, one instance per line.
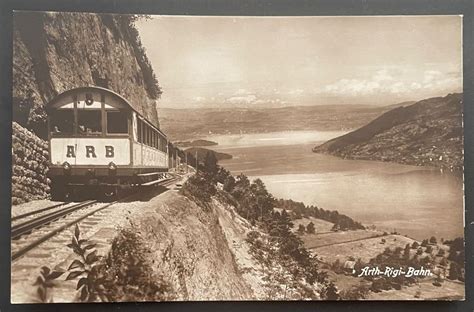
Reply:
x=30, y=225
x=24, y=215
x=45, y=237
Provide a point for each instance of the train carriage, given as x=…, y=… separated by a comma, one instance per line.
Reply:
x=98, y=139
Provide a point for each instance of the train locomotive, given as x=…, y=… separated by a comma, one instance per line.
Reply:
x=100, y=143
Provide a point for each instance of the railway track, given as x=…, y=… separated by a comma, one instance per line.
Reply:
x=31, y=229
x=59, y=211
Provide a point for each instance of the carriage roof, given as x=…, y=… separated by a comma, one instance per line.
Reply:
x=101, y=90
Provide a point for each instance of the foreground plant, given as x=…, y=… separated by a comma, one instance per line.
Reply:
x=89, y=267
x=46, y=282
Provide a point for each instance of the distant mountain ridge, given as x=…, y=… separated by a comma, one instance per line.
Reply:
x=191, y=124
x=195, y=143
x=427, y=133
x=202, y=153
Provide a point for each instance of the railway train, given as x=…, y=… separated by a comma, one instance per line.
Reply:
x=99, y=142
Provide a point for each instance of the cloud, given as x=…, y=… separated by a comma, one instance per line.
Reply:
x=199, y=99
x=296, y=92
x=246, y=99
x=242, y=92
x=382, y=75
x=254, y=100
x=430, y=76
x=383, y=82
x=352, y=87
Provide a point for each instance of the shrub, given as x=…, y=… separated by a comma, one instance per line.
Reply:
x=454, y=271
x=380, y=284
x=301, y=229
x=45, y=283
x=128, y=272
x=199, y=189
x=125, y=274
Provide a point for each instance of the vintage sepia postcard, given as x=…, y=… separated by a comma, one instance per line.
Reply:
x=195, y=158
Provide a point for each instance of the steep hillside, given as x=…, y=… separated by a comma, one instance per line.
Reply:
x=54, y=52
x=190, y=249
x=427, y=133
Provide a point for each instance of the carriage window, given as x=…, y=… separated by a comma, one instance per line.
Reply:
x=148, y=135
x=117, y=122
x=145, y=134
x=62, y=121
x=161, y=143
x=89, y=122
x=139, y=130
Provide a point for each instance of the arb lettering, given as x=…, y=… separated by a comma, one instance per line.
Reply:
x=90, y=151
x=70, y=151
x=109, y=151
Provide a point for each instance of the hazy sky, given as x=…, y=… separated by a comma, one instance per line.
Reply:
x=284, y=61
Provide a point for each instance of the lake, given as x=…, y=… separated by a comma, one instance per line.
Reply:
x=416, y=201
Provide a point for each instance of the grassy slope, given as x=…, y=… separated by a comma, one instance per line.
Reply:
x=321, y=226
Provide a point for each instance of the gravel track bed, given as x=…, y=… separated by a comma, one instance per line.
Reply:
x=100, y=228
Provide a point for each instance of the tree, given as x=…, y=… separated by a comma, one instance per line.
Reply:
x=415, y=245
x=229, y=184
x=330, y=292
x=433, y=240
x=310, y=229
x=263, y=200
x=443, y=262
x=424, y=243
x=210, y=163
x=397, y=253
x=301, y=229
x=454, y=271
x=406, y=252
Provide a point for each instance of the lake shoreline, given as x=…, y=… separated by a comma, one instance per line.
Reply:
x=390, y=195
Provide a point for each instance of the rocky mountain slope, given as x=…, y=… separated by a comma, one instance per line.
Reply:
x=54, y=52
x=427, y=133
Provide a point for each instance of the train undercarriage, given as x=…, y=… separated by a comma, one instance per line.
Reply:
x=69, y=184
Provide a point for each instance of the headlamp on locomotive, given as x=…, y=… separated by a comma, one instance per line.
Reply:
x=98, y=140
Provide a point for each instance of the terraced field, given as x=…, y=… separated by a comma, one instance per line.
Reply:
x=361, y=247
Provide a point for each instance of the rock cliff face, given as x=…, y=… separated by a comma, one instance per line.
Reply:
x=190, y=249
x=54, y=52
x=427, y=133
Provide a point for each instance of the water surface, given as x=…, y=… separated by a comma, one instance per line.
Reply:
x=417, y=201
